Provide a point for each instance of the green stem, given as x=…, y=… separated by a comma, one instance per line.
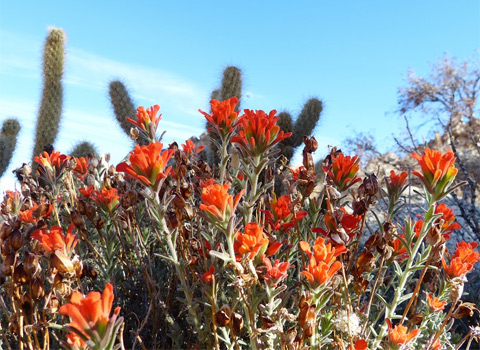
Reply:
x=390, y=310
x=224, y=158
x=253, y=187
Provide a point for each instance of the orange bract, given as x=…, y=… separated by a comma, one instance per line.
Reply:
x=322, y=265
x=462, y=260
x=435, y=304
x=223, y=115
x=398, y=335
x=343, y=171
x=448, y=217
x=55, y=239
x=281, y=207
x=148, y=164
x=438, y=171
x=189, y=147
x=251, y=242
x=35, y=213
x=52, y=160
x=107, y=198
x=276, y=273
x=258, y=132
x=145, y=117
x=91, y=312
x=217, y=201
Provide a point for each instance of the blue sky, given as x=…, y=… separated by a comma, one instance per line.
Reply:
x=351, y=54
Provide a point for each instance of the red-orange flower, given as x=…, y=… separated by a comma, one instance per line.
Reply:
x=258, y=132
x=107, y=198
x=54, y=160
x=435, y=304
x=75, y=342
x=147, y=164
x=223, y=115
x=87, y=192
x=252, y=242
x=438, y=171
x=281, y=207
x=147, y=117
x=360, y=344
x=465, y=251
x=284, y=216
x=339, y=224
x=81, y=166
x=448, y=218
x=399, y=336
x=55, y=239
x=437, y=345
x=343, y=171
x=217, y=201
x=189, y=147
x=276, y=273
x=207, y=277
x=322, y=265
x=35, y=213
x=11, y=203
x=396, y=184
x=91, y=312
x=462, y=260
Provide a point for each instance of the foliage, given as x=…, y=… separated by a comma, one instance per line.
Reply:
x=189, y=258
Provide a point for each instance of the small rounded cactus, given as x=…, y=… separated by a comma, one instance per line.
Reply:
x=48, y=120
x=8, y=141
x=84, y=149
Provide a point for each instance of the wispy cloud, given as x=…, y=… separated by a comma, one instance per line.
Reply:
x=91, y=119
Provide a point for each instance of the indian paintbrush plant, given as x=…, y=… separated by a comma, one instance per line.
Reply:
x=225, y=260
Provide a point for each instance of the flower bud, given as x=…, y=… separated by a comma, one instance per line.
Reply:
x=77, y=219
x=19, y=275
x=222, y=317
x=16, y=240
x=7, y=267
x=237, y=323
x=38, y=289
x=434, y=236
x=456, y=290
x=91, y=212
x=81, y=207
x=370, y=185
x=52, y=306
x=465, y=309
x=62, y=262
x=5, y=231
x=31, y=264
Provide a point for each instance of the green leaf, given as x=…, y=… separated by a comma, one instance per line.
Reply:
x=382, y=300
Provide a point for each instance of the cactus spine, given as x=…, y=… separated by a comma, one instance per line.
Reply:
x=50, y=111
x=8, y=141
x=84, y=149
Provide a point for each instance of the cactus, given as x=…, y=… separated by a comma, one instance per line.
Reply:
x=84, y=149
x=304, y=125
x=306, y=121
x=286, y=124
x=8, y=140
x=231, y=84
x=50, y=111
